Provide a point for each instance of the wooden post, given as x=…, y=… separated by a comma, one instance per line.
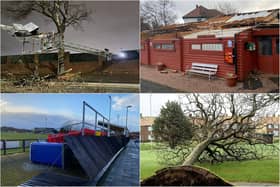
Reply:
x=4, y=146
x=23, y=145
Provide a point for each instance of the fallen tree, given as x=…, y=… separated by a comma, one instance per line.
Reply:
x=224, y=127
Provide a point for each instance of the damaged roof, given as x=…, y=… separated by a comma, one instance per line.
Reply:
x=240, y=20
x=219, y=33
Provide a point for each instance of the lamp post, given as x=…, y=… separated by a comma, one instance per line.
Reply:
x=110, y=99
x=129, y=106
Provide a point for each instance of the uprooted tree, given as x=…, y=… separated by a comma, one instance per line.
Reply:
x=225, y=127
x=62, y=13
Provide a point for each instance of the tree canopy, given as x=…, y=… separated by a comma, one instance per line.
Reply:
x=171, y=126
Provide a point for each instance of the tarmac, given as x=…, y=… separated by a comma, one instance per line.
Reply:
x=124, y=171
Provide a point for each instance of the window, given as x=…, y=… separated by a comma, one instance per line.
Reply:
x=157, y=46
x=196, y=47
x=270, y=126
x=164, y=46
x=150, y=129
x=212, y=47
x=265, y=46
x=276, y=133
x=167, y=46
x=150, y=137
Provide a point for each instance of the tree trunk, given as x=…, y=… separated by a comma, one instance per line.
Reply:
x=61, y=55
x=193, y=157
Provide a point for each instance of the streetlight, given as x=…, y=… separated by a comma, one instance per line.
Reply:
x=110, y=98
x=129, y=106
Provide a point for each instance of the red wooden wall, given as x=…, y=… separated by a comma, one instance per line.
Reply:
x=170, y=58
x=209, y=57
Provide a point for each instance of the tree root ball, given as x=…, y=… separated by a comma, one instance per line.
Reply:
x=184, y=176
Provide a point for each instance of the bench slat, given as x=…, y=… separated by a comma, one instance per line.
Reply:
x=203, y=72
x=202, y=68
x=205, y=65
x=206, y=69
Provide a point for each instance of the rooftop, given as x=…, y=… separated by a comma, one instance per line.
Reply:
x=202, y=12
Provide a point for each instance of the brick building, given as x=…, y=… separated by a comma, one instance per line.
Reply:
x=146, y=128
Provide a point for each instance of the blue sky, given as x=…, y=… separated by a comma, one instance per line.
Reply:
x=70, y=106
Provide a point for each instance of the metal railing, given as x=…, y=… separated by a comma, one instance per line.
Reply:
x=96, y=114
x=14, y=144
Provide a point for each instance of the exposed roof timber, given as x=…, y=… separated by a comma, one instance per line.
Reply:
x=268, y=18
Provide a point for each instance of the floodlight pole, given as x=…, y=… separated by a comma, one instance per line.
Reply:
x=83, y=122
x=129, y=106
x=110, y=106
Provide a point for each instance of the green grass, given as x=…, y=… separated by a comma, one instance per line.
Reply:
x=246, y=171
x=13, y=170
x=17, y=135
x=24, y=135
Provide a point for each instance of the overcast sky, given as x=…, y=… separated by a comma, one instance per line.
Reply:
x=114, y=25
x=184, y=6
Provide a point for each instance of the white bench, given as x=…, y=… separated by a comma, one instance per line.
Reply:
x=202, y=68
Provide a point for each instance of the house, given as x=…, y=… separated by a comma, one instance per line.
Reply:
x=146, y=124
x=238, y=44
x=200, y=13
x=271, y=125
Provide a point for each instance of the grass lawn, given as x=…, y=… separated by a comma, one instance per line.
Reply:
x=17, y=135
x=23, y=135
x=245, y=171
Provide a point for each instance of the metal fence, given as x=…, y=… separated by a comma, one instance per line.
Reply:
x=14, y=144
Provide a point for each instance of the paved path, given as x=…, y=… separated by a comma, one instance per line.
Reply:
x=197, y=83
x=125, y=169
x=151, y=87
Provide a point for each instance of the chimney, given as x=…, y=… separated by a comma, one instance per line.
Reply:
x=197, y=6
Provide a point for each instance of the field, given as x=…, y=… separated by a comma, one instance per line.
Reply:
x=24, y=135
x=20, y=136
x=266, y=170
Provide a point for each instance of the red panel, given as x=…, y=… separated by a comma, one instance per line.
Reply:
x=144, y=54
x=170, y=58
x=209, y=57
x=246, y=60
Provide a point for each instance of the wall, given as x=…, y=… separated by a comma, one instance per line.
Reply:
x=190, y=20
x=145, y=50
x=170, y=58
x=246, y=60
x=209, y=57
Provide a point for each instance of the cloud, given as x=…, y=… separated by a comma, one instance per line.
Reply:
x=8, y=107
x=121, y=102
x=150, y=104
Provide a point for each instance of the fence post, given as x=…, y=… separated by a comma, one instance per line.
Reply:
x=4, y=147
x=23, y=145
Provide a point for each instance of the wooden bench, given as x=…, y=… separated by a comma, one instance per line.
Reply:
x=202, y=68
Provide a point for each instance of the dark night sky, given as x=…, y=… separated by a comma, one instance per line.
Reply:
x=114, y=25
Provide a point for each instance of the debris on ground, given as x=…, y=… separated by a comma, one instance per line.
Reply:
x=275, y=80
x=184, y=176
x=164, y=71
x=253, y=82
x=70, y=76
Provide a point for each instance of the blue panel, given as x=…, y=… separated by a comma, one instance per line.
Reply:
x=47, y=153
